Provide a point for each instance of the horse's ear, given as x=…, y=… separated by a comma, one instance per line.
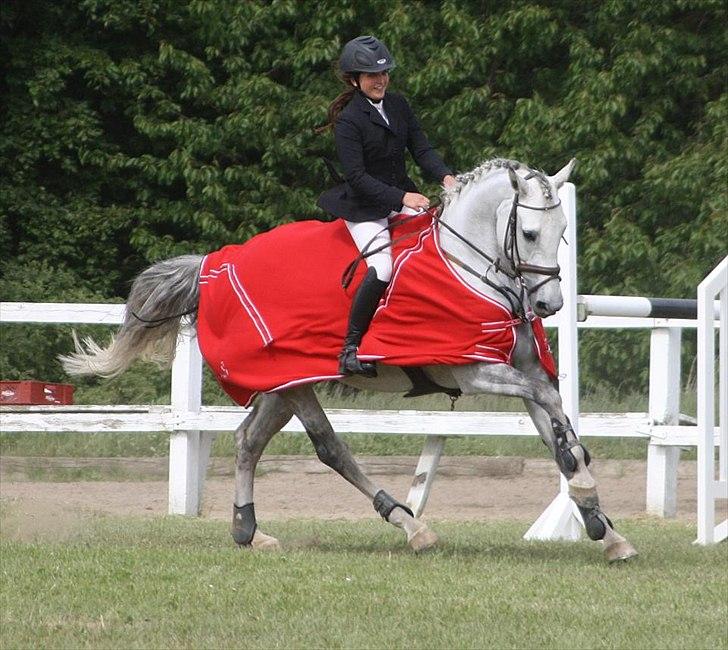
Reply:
x=517, y=183
x=560, y=177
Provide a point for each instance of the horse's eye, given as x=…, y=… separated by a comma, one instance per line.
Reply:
x=530, y=235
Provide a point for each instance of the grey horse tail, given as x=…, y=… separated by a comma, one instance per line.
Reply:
x=160, y=297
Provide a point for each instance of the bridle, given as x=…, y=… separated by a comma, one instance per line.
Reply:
x=510, y=248
x=513, y=257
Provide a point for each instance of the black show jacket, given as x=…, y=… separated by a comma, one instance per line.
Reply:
x=372, y=156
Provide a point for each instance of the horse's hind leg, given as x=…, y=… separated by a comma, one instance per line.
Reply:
x=334, y=452
x=270, y=413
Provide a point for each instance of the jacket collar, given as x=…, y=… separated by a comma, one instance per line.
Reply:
x=374, y=116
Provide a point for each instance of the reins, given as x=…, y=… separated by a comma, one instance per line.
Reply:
x=365, y=252
x=510, y=248
x=510, y=243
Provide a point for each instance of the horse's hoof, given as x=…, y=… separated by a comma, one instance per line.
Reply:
x=263, y=542
x=619, y=552
x=581, y=485
x=423, y=539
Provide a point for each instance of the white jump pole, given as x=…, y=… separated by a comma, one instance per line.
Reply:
x=562, y=520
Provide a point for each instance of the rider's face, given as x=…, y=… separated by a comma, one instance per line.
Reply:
x=374, y=84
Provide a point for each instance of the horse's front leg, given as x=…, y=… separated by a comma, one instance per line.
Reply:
x=544, y=405
x=543, y=402
x=334, y=452
x=573, y=459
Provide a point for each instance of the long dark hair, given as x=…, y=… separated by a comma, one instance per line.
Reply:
x=342, y=99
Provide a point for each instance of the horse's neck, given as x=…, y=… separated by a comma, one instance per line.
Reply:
x=473, y=214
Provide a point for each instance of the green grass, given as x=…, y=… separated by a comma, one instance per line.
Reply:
x=180, y=583
x=84, y=445
x=77, y=474
x=102, y=445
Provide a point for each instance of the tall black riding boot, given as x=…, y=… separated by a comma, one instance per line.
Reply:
x=362, y=310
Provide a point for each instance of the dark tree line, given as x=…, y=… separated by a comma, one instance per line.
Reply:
x=132, y=131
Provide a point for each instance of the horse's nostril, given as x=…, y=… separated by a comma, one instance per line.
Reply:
x=541, y=305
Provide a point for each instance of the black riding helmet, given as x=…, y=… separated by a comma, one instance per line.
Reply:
x=365, y=54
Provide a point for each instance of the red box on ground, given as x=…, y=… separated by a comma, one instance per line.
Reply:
x=27, y=393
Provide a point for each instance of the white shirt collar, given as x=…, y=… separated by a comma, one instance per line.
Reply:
x=380, y=107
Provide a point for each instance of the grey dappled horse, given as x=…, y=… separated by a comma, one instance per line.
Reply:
x=501, y=227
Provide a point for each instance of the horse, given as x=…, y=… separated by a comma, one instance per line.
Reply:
x=500, y=228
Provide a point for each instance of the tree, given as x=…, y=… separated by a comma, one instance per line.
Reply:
x=134, y=130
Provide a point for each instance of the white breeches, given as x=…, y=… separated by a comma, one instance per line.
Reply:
x=370, y=235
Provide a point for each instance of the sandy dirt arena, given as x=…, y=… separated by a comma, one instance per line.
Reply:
x=466, y=488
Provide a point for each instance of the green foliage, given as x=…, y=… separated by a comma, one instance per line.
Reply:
x=29, y=351
x=134, y=131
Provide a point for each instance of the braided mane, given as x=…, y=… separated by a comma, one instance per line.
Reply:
x=486, y=168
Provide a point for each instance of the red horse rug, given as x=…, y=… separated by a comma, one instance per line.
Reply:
x=273, y=313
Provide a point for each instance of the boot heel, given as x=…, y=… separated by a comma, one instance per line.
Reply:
x=363, y=307
x=350, y=365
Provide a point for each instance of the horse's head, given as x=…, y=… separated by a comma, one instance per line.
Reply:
x=532, y=225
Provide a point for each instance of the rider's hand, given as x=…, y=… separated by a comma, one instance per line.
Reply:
x=416, y=201
x=449, y=181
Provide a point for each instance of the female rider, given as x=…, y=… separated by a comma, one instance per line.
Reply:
x=372, y=129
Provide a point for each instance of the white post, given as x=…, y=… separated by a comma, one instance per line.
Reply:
x=567, y=330
x=425, y=473
x=723, y=389
x=664, y=408
x=721, y=530
x=562, y=520
x=184, y=446
x=708, y=487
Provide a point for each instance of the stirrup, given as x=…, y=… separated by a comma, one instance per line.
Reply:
x=350, y=365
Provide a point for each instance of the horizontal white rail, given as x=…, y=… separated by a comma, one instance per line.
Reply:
x=215, y=419
x=113, y=314
x=62, y=312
